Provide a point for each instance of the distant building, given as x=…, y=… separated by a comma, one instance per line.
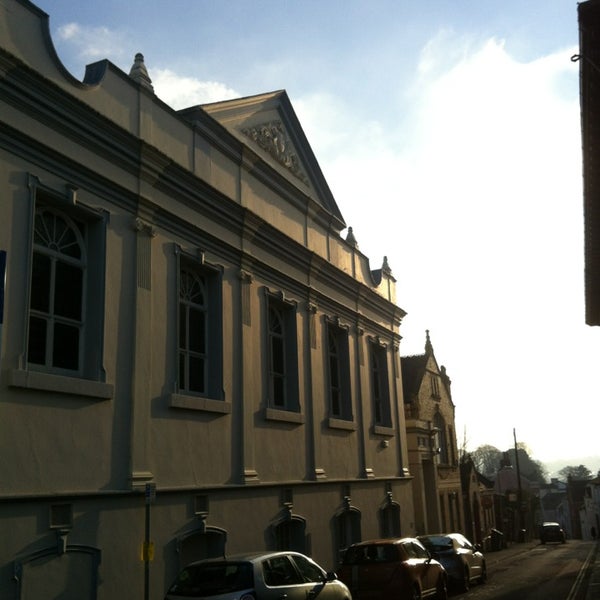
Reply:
x=432, y=448
x=187, y=337
x=555, y=505
x=516, y=503
x=576, y=490
x=589, y=515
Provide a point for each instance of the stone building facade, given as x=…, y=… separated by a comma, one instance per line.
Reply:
x=193, y=358
x=432, y=448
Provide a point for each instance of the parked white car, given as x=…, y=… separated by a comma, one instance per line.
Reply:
x=462, y=560
x=261, y=576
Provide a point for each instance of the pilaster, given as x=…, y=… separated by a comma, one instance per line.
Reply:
x=141, y=390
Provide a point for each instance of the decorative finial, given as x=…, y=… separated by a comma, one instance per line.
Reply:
x=386, y=266
x=428, y=346
x=139, y=73
x=351, y=239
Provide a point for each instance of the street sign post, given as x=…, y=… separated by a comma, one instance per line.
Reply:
x=148, y=547
x=2, y=286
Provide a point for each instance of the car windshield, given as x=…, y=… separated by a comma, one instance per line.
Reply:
x=373, y=553
x=436, y=543
x=211, y=579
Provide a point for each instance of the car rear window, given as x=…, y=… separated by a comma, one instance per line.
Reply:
x=375, y=553
x=212, y=579
x=436, y=543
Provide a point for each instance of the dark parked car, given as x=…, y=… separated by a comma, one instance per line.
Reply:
x=463, y=561
x=261, y=576
x=552, y=532
x=392, y=568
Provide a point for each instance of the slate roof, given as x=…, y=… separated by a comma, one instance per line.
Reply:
x=413, y=370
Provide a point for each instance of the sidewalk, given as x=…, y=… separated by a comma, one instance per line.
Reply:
x=593, y=585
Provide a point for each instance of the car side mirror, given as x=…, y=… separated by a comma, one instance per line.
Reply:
x=330, y=576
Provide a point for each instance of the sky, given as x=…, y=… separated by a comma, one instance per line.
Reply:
x=449, y=134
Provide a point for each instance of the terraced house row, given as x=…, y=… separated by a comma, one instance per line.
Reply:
x=196, y=358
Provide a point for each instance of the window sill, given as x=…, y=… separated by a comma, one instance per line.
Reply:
x=334, y=423
x=285, y=416
x=74, y=386
x=381, y=430
x=199, y=403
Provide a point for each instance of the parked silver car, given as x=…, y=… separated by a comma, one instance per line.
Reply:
x=260, y=576
x=463, y=561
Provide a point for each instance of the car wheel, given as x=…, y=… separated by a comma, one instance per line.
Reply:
x=442, y=589
x=483, y=577
x=466, y=582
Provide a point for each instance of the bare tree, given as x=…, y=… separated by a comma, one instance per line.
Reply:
x=487, y=459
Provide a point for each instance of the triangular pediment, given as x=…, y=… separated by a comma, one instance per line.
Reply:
x=267, y=124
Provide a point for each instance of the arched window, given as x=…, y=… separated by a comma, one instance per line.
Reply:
x=199, y=327
x=380, y=385
x=64, y=330
x=390, y=520
x=278, y=356
x=442, y=439
x=283, y=354
x=340, y=406
x=290, y=534
x=56, y=309
x=202, y=543
x=348, y=527
x=193, y=326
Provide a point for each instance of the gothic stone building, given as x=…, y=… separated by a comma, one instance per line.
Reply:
x=432, y=449
x=193, y=359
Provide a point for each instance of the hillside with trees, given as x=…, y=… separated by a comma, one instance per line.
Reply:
x=487, y=461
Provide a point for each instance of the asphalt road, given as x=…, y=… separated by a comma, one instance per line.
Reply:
x=550, y=572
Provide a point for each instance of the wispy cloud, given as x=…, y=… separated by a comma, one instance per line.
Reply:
x=87, y=44
x=180, y=91
x=93, y=43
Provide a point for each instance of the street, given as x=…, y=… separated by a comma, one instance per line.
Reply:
x=545, y=572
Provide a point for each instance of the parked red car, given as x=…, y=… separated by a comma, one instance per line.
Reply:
x=392, y=568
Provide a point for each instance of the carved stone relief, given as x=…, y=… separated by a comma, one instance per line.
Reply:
x=273, y=138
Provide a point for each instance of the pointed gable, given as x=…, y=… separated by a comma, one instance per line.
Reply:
x=268, y=125
x=414, y=369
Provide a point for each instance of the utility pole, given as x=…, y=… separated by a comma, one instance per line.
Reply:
x=519, y=490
